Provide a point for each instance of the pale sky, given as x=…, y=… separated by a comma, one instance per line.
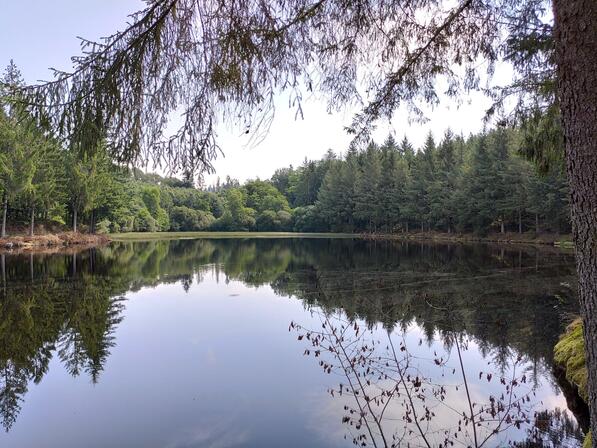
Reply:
x=39, y=34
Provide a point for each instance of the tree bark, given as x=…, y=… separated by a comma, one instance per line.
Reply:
x=501, y=225
x=32, y=228
x=3, y=263
x=74, y=219
x=4, y=212
x=92, y=224
x=576, y=59
x=520, y=221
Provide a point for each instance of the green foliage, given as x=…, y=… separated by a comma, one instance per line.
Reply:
x=187, y=219
x=236, y=216
x=103, y=226
x=144, y=222
x=308, y=219
x=262, y=196
x=151, y=198
x=274, y=221
x=335, y=201
x=479, y=184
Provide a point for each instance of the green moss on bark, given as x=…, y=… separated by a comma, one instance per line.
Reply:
x=569, y=352
x=588, y=443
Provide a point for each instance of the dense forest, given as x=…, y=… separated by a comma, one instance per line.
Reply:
x=477, y=184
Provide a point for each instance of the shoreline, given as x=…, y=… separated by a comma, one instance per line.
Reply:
x=56, y=241
x=51, y=242
x=556, y=240
x=152, y=236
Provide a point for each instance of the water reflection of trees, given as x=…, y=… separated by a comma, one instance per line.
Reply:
x=74, y=317
x=395, y=394
x=69, y=305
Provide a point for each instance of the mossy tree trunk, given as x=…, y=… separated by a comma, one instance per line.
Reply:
x=576, y=58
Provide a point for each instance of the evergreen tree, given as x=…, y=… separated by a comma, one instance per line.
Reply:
x=505, y=179
x=480, y=207
x=442, y=209
x=388, y=189
x=336, y=196
x=407, y=151
x=367, y=198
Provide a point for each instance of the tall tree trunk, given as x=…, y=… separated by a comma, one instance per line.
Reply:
x=576, y=58
x=519, y=221
x=4, y=212
x=92, y=223
x=536, y=222
x=3, y=263
x=502, y=230
x=32, y=222
x=74, y=219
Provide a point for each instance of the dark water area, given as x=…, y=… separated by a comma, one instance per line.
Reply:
x=284, y=342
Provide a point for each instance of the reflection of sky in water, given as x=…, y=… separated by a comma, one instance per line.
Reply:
x=214, y=367
x=203, y=368
x=449, y=411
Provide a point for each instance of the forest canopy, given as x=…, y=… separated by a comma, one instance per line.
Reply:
x=476, y=184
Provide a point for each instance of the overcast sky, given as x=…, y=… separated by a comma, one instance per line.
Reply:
x=39, y=34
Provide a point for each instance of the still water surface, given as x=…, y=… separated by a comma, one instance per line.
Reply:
x=284, y=342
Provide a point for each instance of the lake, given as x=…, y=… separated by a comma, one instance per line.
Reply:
x=285, y=342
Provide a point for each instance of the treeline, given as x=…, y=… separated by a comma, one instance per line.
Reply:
x=478, y=184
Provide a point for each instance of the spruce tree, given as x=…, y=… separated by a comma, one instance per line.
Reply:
x=368, y=204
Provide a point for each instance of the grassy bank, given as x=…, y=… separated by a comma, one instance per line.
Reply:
x=562, y=241
x=569, y=353
x=148, y=236
x=56, y=239
x=551, y=239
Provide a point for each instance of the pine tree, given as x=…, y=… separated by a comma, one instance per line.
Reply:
x=336, y=196
x=480, y=210
x=503, y=188
x=390, y=144
x=368, y=206
x=407, y=151
x=427, y=172
x=388, y=187
x=443, y=184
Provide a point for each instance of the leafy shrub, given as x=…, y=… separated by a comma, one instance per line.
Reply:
x=144, y=222
x=186, y=219
x=103, y=226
